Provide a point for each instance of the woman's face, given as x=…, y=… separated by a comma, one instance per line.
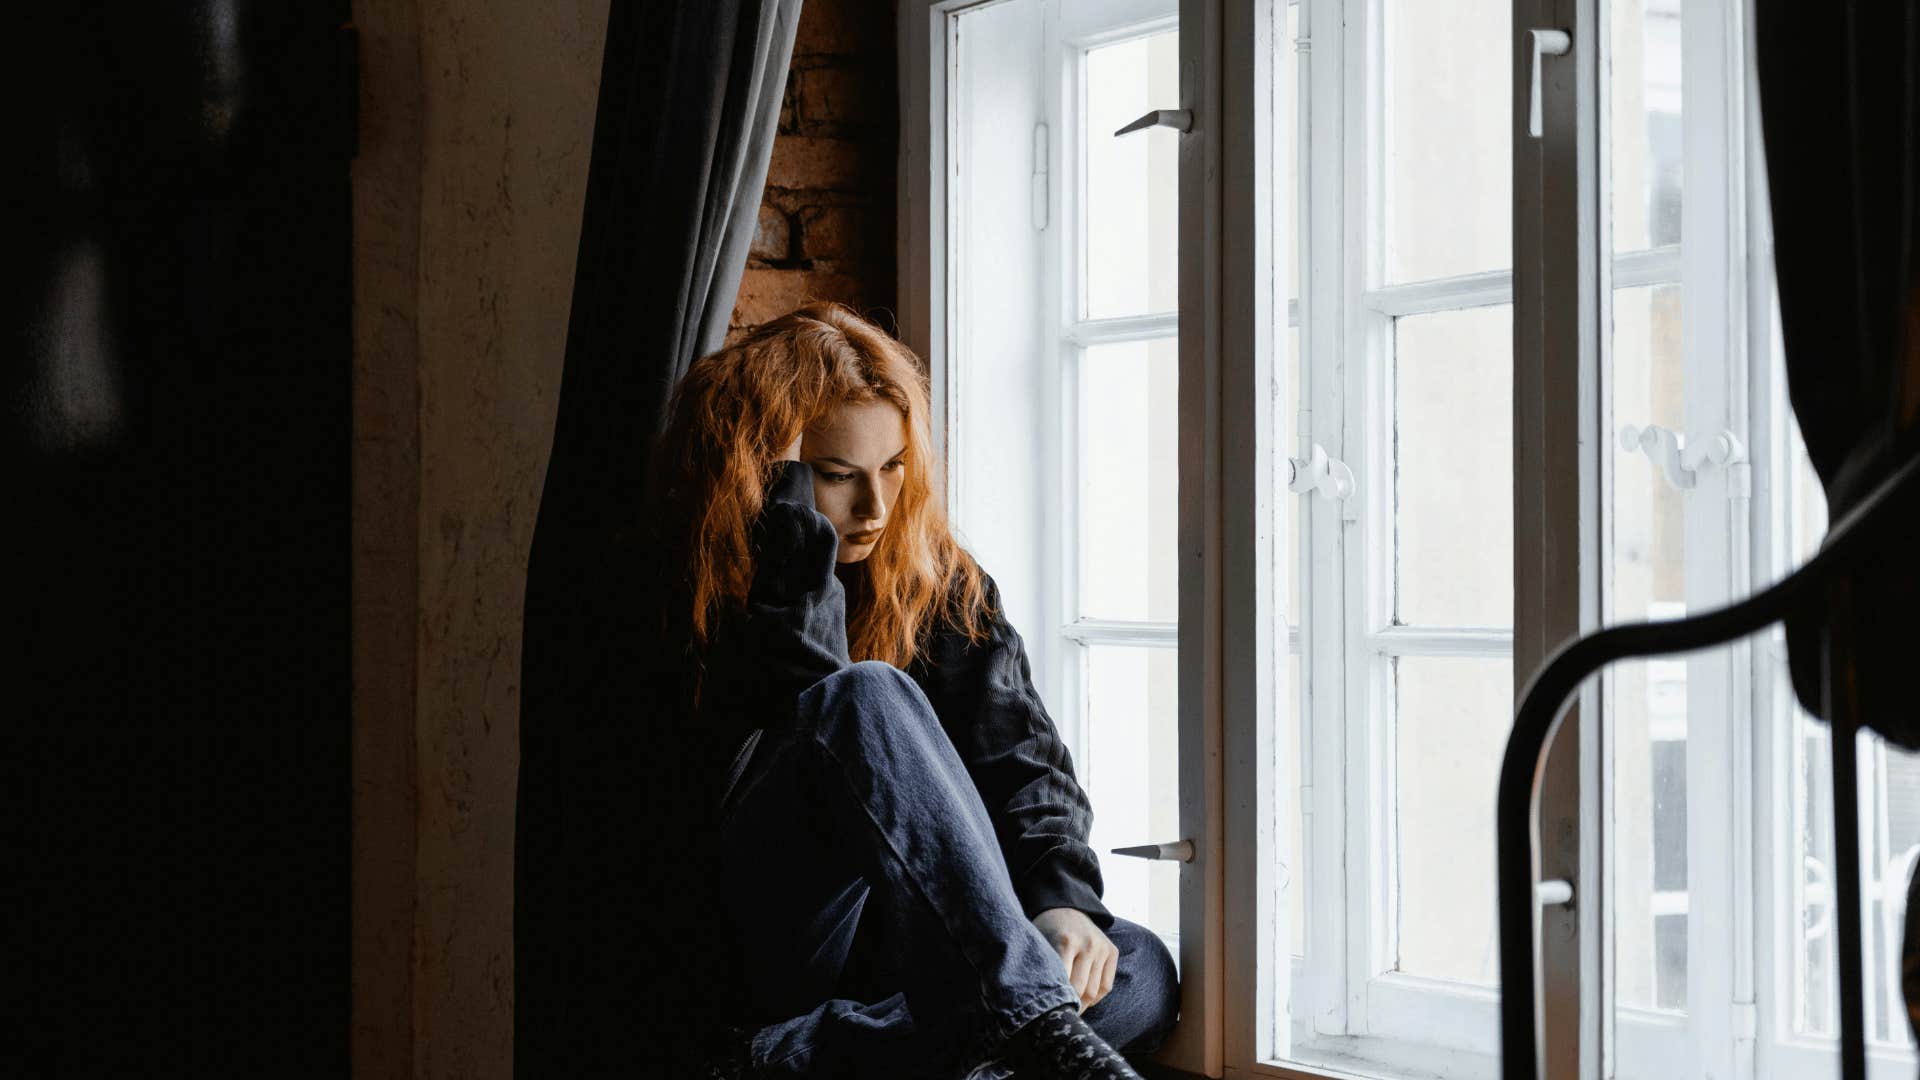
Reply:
x=857, y=454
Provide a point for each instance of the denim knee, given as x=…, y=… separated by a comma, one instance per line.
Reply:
x=869, y=691
x=1154, y=983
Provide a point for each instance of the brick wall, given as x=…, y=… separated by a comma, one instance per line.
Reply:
x=827, y=220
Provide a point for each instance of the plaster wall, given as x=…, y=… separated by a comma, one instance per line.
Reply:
x=477, y=118
x=476, y=123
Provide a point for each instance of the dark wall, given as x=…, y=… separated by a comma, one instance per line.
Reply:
x=174, y=423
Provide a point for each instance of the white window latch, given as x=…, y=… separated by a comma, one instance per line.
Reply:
x=1176, y=851
x=1554, y=892
x=1319, y=474
x=1545, y=43
x=1680, y=458
x=1178, y=119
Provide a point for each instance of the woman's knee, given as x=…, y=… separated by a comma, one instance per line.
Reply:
x=1153, y=981
x=868, y=692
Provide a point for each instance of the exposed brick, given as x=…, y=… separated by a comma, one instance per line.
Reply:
x=790, y=105
x=845, y=28
x=769, y=293
x=772, y=237
x=804, y=161
x=834, y=99
x=839, y=232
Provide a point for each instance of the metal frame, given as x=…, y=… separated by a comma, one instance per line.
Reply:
x=1538, y=721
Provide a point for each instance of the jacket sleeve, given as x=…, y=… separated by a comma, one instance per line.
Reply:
x=985, y=698
x=793, y=631
x=796, y=607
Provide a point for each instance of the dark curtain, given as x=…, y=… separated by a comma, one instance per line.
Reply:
x=1840, y=97
x=689, y=99
x=1840, y=109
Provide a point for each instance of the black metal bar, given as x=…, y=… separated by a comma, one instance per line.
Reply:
x=1850, y=983
x=1545, y=702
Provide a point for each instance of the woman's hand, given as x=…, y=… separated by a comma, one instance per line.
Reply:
x=1091, y=959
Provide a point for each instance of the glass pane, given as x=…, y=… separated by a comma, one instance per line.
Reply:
x=1450, y=717
x=1130, y=182
x=1132, y=776
x=1647, y=701
x=1453, y=467
x=1129, y=477
x=1644, y=84
x=1889, y=809
x=1449, y=135
x=1890, y=844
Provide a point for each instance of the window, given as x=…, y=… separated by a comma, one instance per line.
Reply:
x=1231, y=416
x=1065, y=371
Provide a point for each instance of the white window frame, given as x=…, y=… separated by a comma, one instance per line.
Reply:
x=929, y=207
x=1741, y=895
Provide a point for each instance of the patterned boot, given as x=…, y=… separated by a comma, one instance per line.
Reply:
x=1058, y=1045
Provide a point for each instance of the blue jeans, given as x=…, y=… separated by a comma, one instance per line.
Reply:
x=879, y=927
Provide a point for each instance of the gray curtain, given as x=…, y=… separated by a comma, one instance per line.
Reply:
x=690, y=96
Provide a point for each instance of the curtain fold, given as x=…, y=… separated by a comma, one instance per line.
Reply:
x=1840, y=111
x=689, y=100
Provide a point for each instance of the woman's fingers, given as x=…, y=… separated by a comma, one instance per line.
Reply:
x=1108, y=971
x=1084, y=973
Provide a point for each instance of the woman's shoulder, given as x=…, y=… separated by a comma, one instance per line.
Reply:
x=973, y=621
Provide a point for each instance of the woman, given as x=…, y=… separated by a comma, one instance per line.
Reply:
x=901, y=844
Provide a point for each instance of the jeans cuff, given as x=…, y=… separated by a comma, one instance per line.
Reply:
x=984, y=1059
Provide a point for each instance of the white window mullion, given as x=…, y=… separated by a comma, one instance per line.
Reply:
x=1116, y=331
x=1356, y=364
x=1719, y=749
x=1443, y=294
x=1448, y=641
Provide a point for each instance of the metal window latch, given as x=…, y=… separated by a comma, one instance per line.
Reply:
x=1545, y=43
x=1177, y=851
x=1178, y=119
x=1683, y=459
x=1319, y=474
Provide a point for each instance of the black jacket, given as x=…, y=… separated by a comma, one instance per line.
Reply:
x=794, y=634
x=622, y=958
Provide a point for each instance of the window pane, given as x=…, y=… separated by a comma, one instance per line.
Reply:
x=1647, y=701
x=1129, y=474
x=1647, y=382
x=1644, y=84
x=1132, y=776
x=1453, y=467
x=1889, y=810
x=1449, y=134
x=1451, y=716
x=1130, y=182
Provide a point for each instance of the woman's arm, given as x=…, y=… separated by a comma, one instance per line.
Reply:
x=984, y=696
x=793, y=632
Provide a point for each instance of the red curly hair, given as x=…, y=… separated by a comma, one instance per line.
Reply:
x=732, y=416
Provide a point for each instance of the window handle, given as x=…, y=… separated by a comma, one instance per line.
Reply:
x=1177, y=851
x=1683, y=459
x=1545, y=43
x=1318, y=473
x=1554, y=892
x=1178, y=119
